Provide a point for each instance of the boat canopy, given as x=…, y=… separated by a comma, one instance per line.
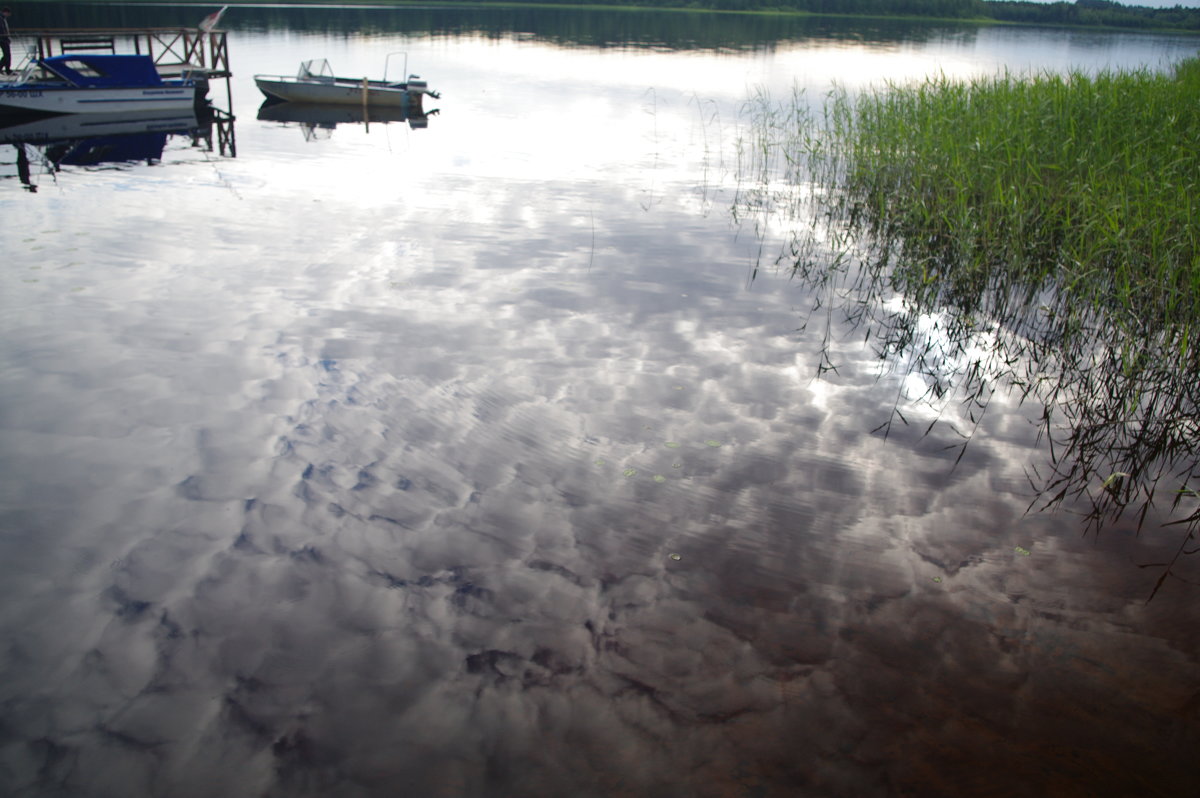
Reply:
x=103, y=70
x=316, y=69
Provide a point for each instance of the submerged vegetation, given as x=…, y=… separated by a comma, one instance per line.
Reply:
x=1053, y=218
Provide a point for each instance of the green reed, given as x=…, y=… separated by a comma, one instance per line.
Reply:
x=1086, y=183
x=1063, y=207
x=1059, y=213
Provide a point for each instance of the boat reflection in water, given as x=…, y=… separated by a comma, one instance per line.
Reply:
x=318, y=120
x=45, y=145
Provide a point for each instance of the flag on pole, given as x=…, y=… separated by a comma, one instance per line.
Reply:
x=208, y=23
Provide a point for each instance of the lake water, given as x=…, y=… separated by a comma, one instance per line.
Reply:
x=491, y=458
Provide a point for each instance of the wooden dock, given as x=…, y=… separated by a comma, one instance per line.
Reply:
x=202, y=54
x=174, y=50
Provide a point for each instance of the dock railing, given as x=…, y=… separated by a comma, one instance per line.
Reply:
x=173, y=49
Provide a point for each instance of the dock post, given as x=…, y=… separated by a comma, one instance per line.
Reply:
x=366, y=116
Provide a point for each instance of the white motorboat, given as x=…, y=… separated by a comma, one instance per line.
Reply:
x=98, y=83
x=316, y=83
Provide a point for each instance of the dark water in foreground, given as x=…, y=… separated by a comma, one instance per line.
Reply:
x=470, y=461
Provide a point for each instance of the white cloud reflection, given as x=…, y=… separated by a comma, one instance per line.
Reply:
x=328, y=485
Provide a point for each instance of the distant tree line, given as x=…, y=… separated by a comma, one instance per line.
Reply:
x=1081, y=12
x=1092, y=12
x=946, y=9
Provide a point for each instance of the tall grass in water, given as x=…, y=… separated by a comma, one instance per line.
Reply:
x=1063, y=211
x=1088, y=184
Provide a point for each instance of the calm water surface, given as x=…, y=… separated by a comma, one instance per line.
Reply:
x=472, y=461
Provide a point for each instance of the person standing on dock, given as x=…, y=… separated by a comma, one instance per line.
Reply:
x=5, y=42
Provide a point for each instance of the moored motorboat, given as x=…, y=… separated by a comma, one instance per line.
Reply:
x=98, y=83
x=316, y=83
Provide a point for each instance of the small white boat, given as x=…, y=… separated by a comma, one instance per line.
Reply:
x=97, y=83
x=316, y=83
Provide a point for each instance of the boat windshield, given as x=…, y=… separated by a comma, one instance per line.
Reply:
x=316, y=69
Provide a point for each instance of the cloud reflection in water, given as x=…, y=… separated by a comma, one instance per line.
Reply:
x=335, y=504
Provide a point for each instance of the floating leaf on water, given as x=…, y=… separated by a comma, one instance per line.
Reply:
x=676, y=465
x=601, y=461
x=672, y=444
x=1021, y=551
x=712, y=443
x=629, y=472
x=659, y=478
x=676, y=557
x=678, y=387
x=1113, y=478
x=937, y=579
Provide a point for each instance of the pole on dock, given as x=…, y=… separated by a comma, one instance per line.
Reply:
x=366, y=117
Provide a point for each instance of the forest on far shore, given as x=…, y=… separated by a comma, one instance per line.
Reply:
x=1081, y=12
x=1085, y=13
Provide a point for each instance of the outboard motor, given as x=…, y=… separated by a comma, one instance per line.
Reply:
x=415, y=84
